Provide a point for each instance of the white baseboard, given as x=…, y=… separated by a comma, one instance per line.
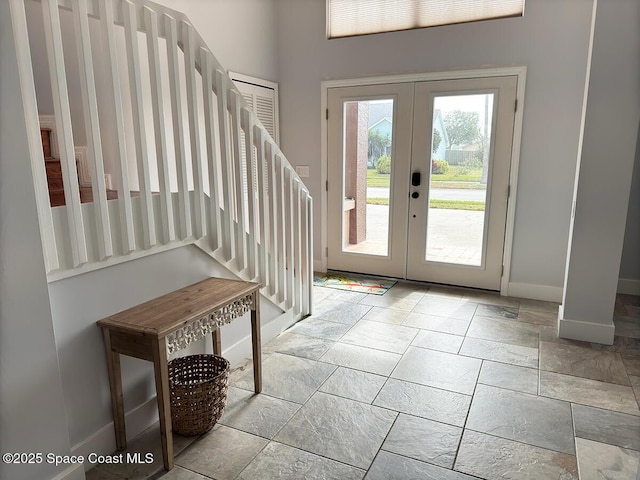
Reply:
x=585, y=331
x=73, y=472
x=629, y=286
x=242, y=349
x=103, y=442
x=535, y=292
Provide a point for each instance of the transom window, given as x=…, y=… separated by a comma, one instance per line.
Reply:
x=361, y=17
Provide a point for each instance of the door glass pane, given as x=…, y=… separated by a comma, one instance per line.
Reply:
x=367, y=177
x=460, y=154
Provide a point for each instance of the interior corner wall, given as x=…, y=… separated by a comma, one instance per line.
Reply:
x=629, y=281
x=240, y=34
x=32, y=416
x=551, y=40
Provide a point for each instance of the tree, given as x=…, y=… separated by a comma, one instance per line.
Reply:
x=378, y=144
x=463, y=128
x=435, y=140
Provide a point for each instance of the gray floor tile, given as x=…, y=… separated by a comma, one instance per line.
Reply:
x=437, y=324
x=537, y=316
x=381, y=336
x=438, y=369
x=98, y=474
x=622, y=345
x=320, y=293
x=320, y=329
x=423, y=440
x=539, y=305
x=354, y=384
x=522, y=417
x=340, y=312
x=385, y=315
x=392, y=302
x=490, y=298
x=422, y=401
x=504, y=331
x=491, y=458
x=598, y=461
x=299, y=345
x=147, y=442
x=631, y=364
x=627, y=326
x=500, y=352
x=635, y=384
x=447, y=293
x=408, y=290
x=443, y=342
x=588, y=392
x=361, y=358
x=510, y=377
x=583, y=362
x=388, y=466
x=289, y=378
x=550, y=334
x=259, y=414
x=606, y=426
x=338, y=428
x=444, y=307
x=222, y=453
x=282, y=462
x=338, y=295
x=179, y=473
x=497, y=311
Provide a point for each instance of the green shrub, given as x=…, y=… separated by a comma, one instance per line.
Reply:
x=439, y=167
x=384, y=164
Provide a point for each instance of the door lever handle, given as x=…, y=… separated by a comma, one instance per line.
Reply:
x=415, y=179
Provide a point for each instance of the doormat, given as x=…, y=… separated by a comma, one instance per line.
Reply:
x=353, y=283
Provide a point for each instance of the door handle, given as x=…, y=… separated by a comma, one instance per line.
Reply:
x=415, y=179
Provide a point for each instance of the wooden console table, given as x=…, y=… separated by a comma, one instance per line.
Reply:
x=155, y=329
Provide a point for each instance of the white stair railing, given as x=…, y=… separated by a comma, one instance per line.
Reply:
x=206, y=171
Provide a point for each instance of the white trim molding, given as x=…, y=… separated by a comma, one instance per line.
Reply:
x=545, y=293
x=519, y=71
x=585, y=331
x=629, y=286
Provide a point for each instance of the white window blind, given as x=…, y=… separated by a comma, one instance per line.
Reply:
x=360, y=17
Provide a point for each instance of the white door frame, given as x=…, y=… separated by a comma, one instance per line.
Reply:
x=519, y=71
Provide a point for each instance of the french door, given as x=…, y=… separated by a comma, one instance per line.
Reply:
x=418, y=179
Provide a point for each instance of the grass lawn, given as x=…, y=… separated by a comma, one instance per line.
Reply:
x=455, y=175
x=447, y=204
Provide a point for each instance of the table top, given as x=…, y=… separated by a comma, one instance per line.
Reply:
x=170, y=312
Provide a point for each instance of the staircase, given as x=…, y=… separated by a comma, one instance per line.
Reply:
x=191, y=163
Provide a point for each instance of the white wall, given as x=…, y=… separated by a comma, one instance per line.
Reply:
x=630, y=264
x=604, y=175
x=551, y=40
x=240, y=33
x=32, y=416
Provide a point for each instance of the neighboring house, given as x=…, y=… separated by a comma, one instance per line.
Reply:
x=438, y=126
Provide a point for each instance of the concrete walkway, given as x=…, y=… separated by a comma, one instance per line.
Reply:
x=454, y=236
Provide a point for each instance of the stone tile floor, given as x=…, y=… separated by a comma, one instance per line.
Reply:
x=422, y=383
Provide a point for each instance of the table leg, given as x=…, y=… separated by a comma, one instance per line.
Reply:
x=217, y=341
x=161, y=371
x=255, y=340
x=115, y=386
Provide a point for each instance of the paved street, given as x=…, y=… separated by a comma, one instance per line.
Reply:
x=436, y=193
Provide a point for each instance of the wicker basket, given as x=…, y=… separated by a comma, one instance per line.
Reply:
x=198, y=385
